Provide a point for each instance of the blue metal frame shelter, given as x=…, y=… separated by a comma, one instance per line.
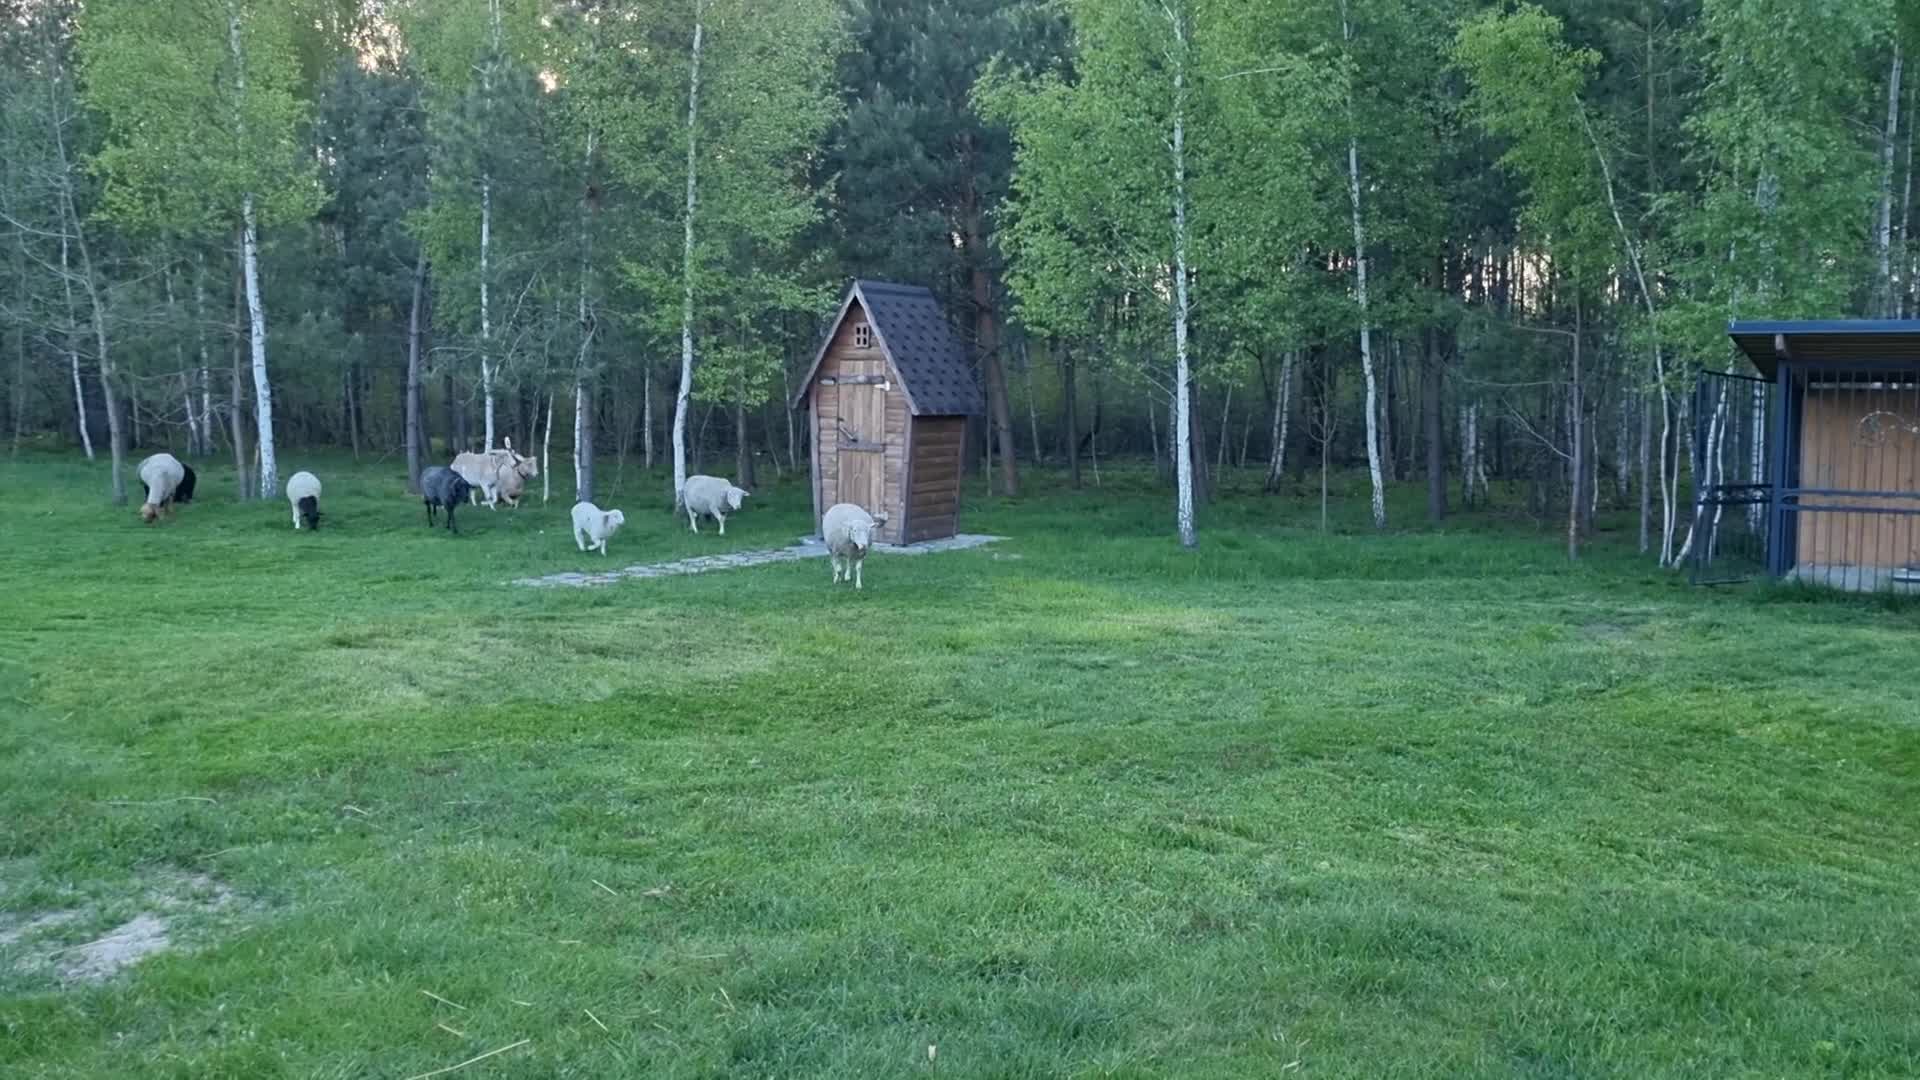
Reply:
x=1841, y=489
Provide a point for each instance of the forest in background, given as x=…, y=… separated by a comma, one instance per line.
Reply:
x=1450, y=240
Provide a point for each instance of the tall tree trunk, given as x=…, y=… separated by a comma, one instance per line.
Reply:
x=73, y=348
x=1226, y=422
x=1576, y=441
x=70, y=225
x=685, y=390
x=583, y=409
x=250, y=266
x=1669, y=479
x=416, y=441
x=1033, y=405
x=7, y=187
x=1433, y=385
x=353, y=408
x=487, y=368
x=1070, y=415
x=1390, y=403
x=257, y=337
x=1277, y=435
x=646, y=415
x=239, y=394
x=1374, y=474
x=546, y=455
x=1153, y=435
x=786, y=406
x=986, y=329
x=1883, y=232
x=1183, y=433
x=1903, y=303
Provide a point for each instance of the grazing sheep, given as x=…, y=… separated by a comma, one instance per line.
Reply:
x=848, y=531
x=442, y=488
x=303, y=493
x=160, y=478
x=592, y=525
x=710, y=495
x=496, y=473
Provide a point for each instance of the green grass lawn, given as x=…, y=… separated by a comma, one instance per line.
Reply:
x=1075, y=804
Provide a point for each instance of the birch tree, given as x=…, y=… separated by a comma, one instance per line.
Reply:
x=751, y=96
x=203, y=124
x=1354, y=184
x=1527, y=88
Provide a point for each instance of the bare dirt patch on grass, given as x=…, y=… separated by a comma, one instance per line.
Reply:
x=173, y=907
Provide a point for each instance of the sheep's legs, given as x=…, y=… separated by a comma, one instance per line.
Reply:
x=835, y=560
x=857, y=564
x=693, y=521
x=296, y=519
x=580, y=539
x=722, y=519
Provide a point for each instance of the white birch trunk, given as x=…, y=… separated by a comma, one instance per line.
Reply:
x=207, y=422
x=180, y=363
x=580, y=491
x=1669, y=476
x=1905, y=262
x=257, y=338
x=582, y=441
x=486, y=320
x=486, y=235
x=73, y=348
x=1183, y=413
x=1277, y=458
x=1360, y=294
x=256, y=314
x=685, y=390
x=646, y=415
x=546, y=456
x=1883, y=233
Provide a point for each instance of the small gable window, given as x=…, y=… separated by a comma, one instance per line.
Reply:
x=863, y=335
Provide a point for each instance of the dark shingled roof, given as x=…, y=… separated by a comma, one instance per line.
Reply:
x=914, y=333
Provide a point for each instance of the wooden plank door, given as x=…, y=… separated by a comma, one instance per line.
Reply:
x=863, y=435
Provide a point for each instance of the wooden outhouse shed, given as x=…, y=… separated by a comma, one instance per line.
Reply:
x=887, y=399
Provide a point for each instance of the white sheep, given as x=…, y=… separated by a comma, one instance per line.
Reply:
x=496, y=474
x=303, y=494
x=710, y=495
x=848, y=531
x=161, y=475
x=592, y=525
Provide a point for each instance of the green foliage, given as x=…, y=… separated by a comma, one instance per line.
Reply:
x=1528, y=88
x=1780, y=229
x=185, y=140
x=766, y=101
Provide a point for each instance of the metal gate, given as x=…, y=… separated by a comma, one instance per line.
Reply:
x=1732, y=416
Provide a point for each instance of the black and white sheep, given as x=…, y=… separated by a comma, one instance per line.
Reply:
x=848, y=531
x=182, y=492
x=160, y=478
x=592, y=525
x=442, y=488
x=303, y=494
x=710, y=495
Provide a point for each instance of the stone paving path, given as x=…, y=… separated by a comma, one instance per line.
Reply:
x=810, y=547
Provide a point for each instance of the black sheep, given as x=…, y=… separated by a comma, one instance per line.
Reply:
x=442, y=488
